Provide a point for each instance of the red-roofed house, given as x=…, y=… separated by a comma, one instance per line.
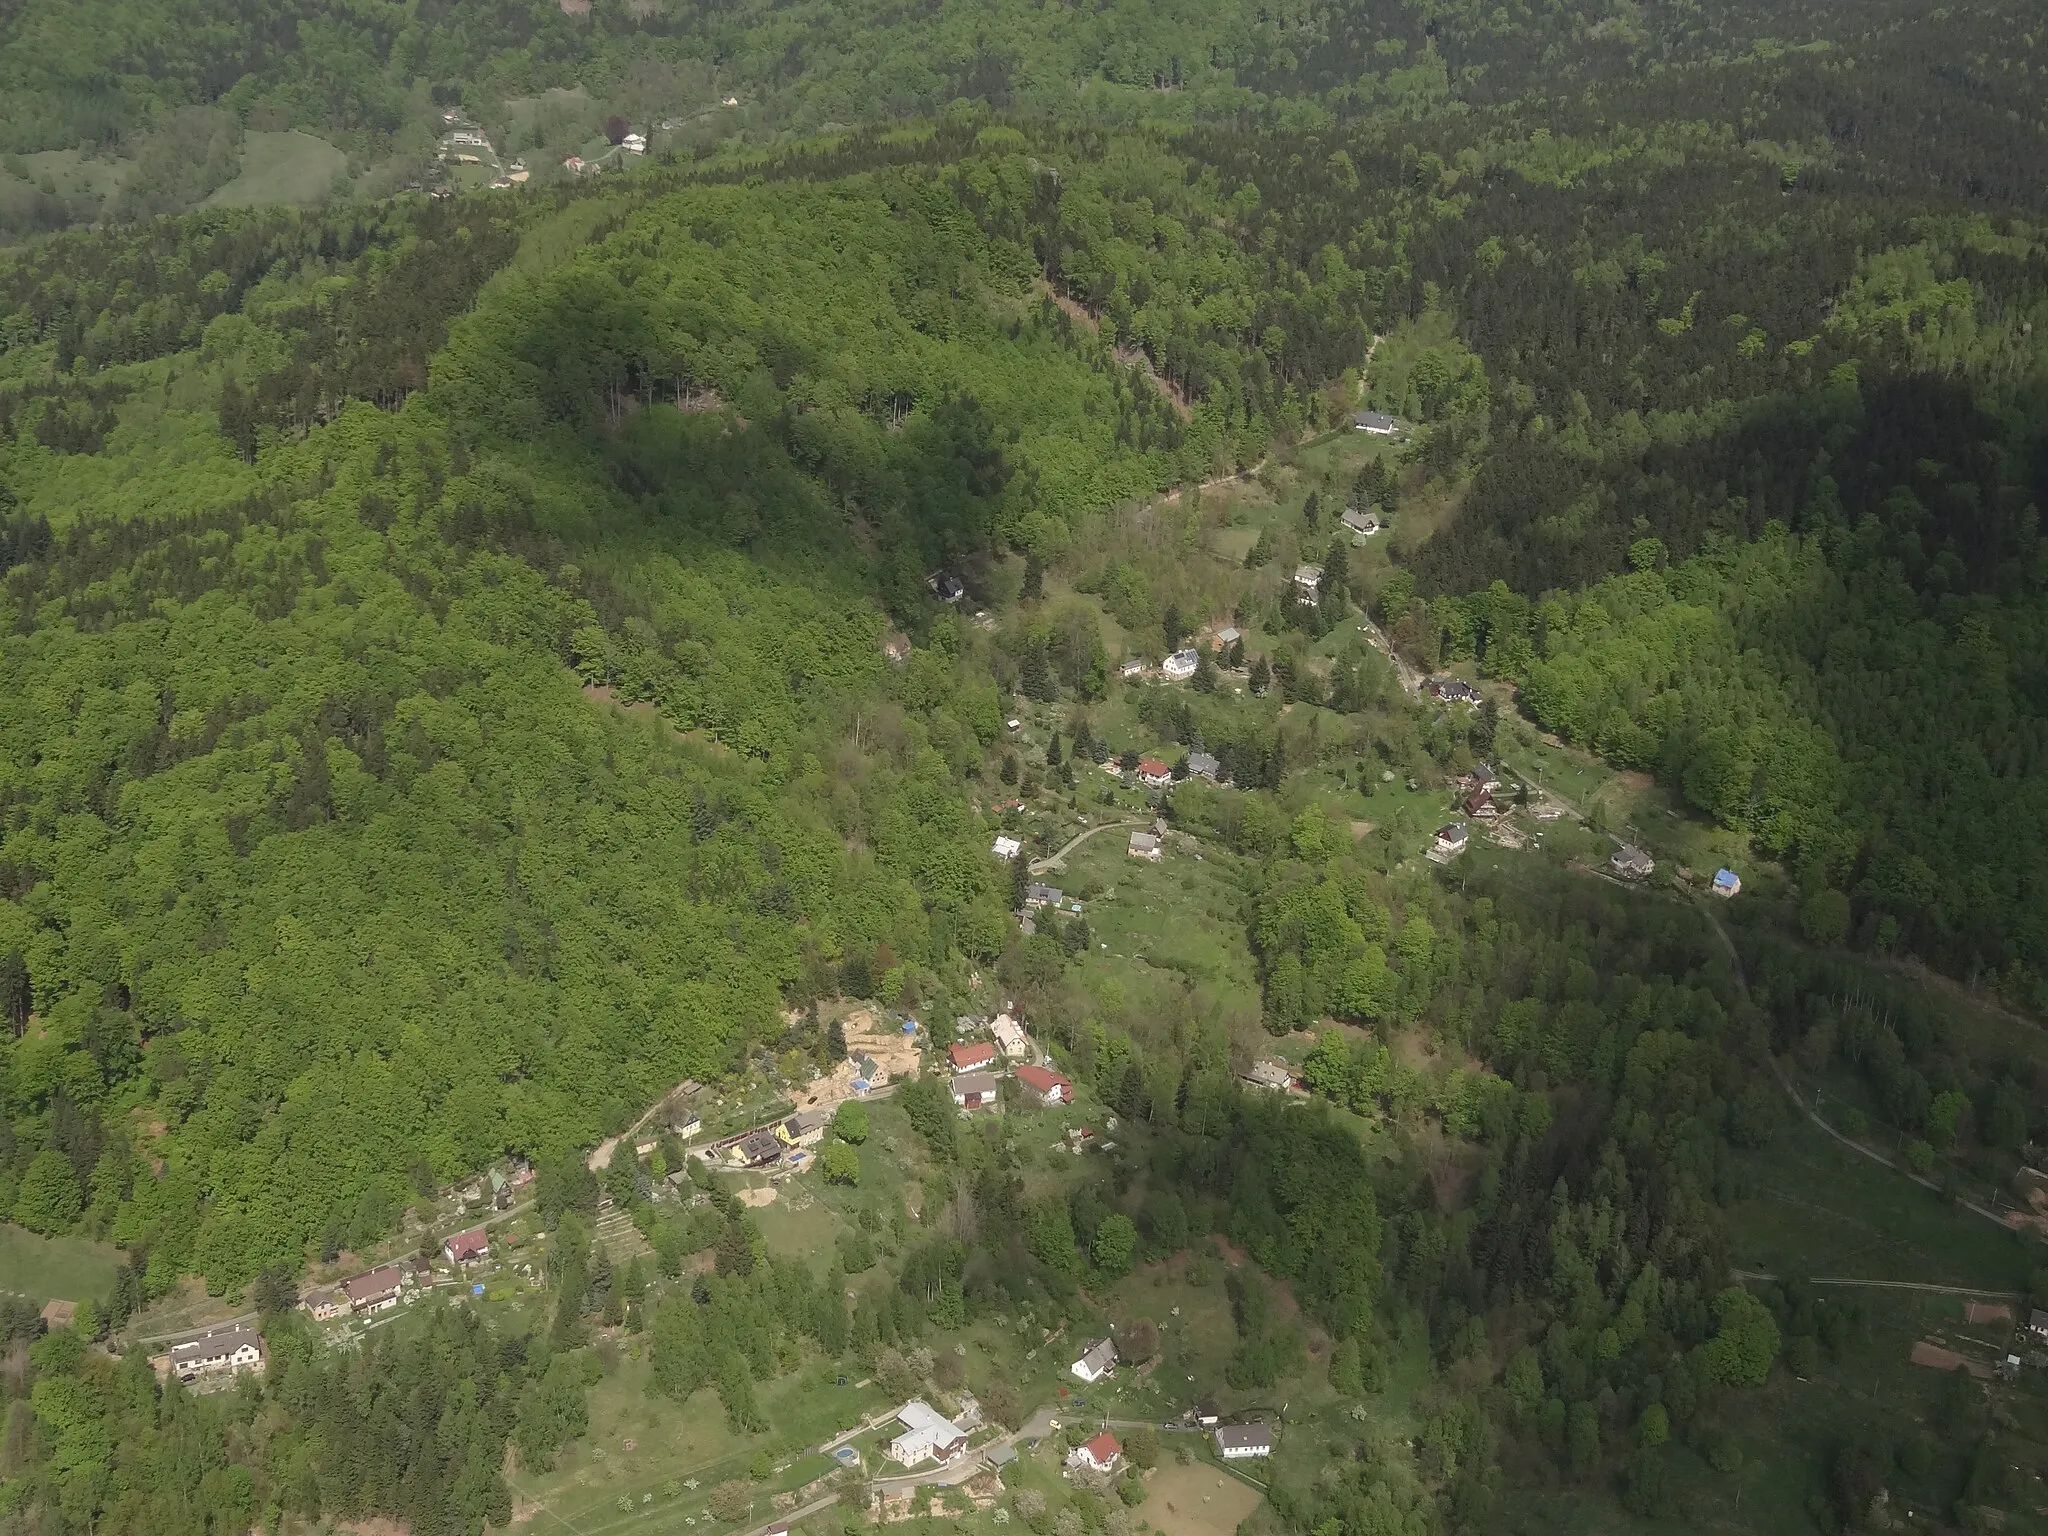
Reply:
x=966, y=1057
x=1154, y=774
x=464, y=1246
x=1050, y=1087
x=1098, y=1455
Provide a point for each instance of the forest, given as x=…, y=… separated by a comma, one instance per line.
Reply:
x=469, y=664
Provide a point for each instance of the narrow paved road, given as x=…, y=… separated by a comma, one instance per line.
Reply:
x=1891, y=1285
x=1052, y=861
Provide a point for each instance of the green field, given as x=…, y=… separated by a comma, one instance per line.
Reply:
x=282, y=168
x=70, y=1268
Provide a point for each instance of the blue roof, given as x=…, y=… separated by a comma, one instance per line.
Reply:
x=1724, y=877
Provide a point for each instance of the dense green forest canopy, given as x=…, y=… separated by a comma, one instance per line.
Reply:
x=466, y=665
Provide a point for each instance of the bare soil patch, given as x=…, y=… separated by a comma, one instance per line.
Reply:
x=1938, y=1358
x=758, y=1197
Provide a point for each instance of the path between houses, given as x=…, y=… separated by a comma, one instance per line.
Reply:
x=1039, y=866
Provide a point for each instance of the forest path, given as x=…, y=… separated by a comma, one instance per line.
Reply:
x=1792, y=1093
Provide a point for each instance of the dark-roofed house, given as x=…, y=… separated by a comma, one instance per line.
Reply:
x=1363, y=525
x=1203, y=765
x=375, y=1290
x=756, y=1149
x=232, y=1351
x=1631, y=863
x=325, y=1304
x=1451, y=840
x=1037, y=895
x=1378, y=423
x=1270, y=1075
x=2037, y=1324
x=464, y=1246
x=1204, y=1414
x=805, y=1128
x=975, y=1090
x=1096, y=1361
x=1235, y=1442
x=1145, y=845
x=1049, y=1086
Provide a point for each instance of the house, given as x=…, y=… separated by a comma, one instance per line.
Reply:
x=805, y=1128
x=634, y=143
x=755, y=1149
x=573, y=165
x=946, y=587
x=966, y=1057
x=1130, y=669
x=1226, y=637
x=1202, y=765
x=325, y=1304
x=1145, y=845
x=928, y=1435
x=690, y=1126
x=867, y=1073
x=1205, y=1415
x=59, y=1314
x=1378, y=423
x=1098, y=1455
x=1363, y=525
x=1096, y=1361
x=974, y=1090
x=464, y=1246
x=1154, y=774
x=1269, y=1074
x=2037, y=1324
x=1482, y=776
x=1179, y=666
x=501, y=1188
x=1235, y=1442
x=1451, y=690
x=1631, y=863
x=1727, y=882
x=374, y=1291
x=1480, y=804
x=1049, y=1086
x=234, y=1351
x=1006, y=848
x=1450, y=840
x=1308, y=582
x=1036, y=896
x=1009, y=1036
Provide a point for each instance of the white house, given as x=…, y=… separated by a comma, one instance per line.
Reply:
x=1009, y=1036
x=1179, y=666
x=974, y=1090
x=1378, y=423
x=1049, y=1086
x=1154, y=774
x=634, y=144
x=234, y=1351
x=374, y=1291
x=1130, y=669
x=1098, y=1455
x=1236, y=1442
x=1308, y=582
x=1451, y=840
x=927, y=1435
x=1363, y=525
x=1096, y=1362
x=1006, y=848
